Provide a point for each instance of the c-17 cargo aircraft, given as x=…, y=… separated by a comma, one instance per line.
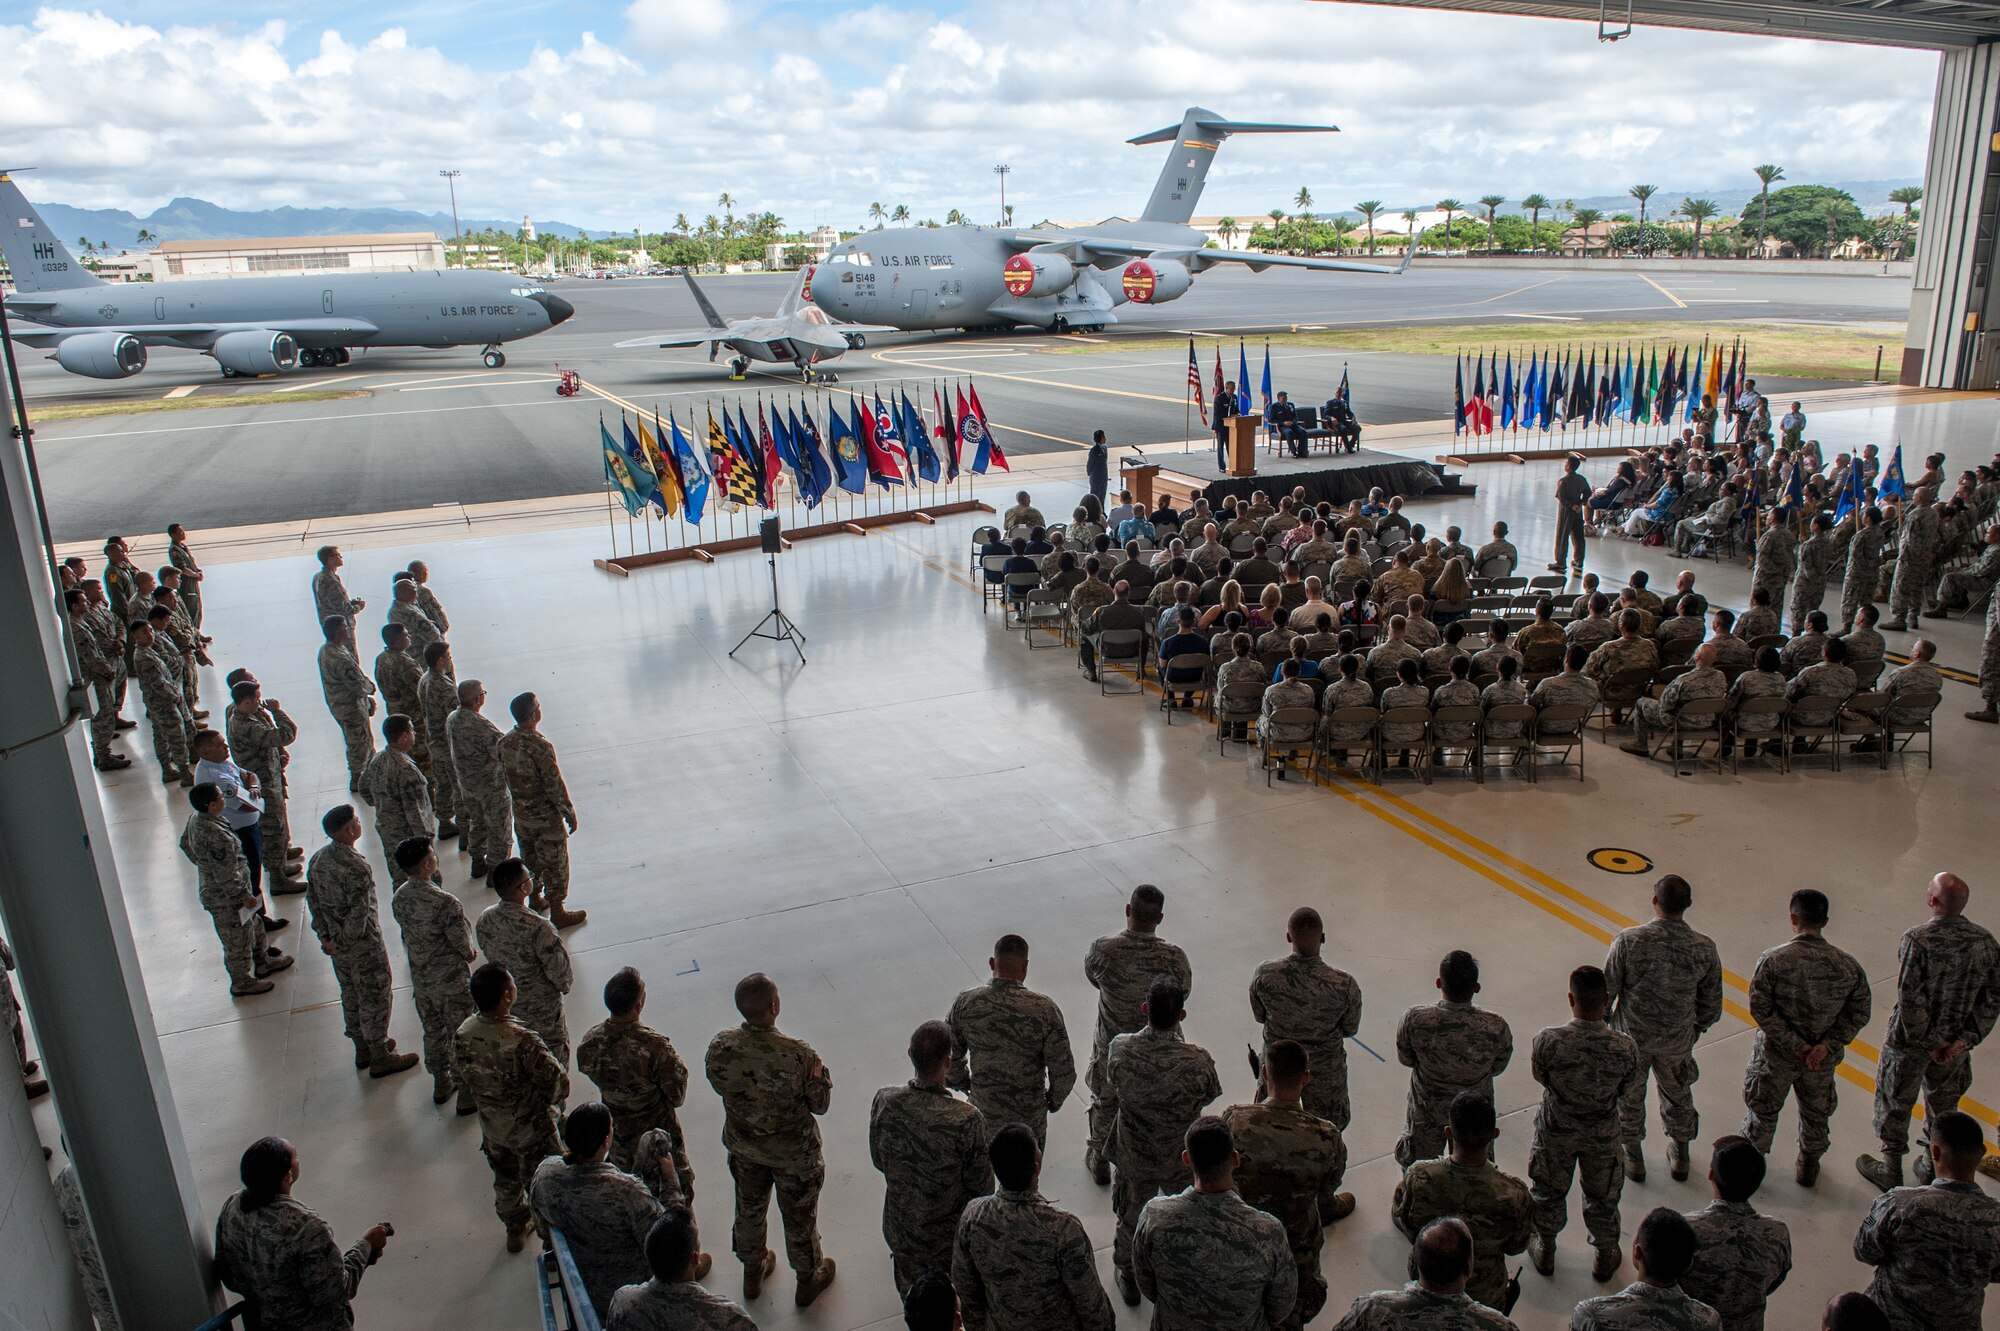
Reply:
x=800, y=332
x=253, y=325
x=1054, y=278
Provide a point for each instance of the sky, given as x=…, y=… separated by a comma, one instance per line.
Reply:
x=620, y=115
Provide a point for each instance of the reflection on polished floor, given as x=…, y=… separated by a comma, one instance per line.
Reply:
x=864, y=826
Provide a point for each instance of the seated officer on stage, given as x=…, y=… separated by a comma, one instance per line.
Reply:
x=1283, y=420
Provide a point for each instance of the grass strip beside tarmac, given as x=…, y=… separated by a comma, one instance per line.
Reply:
x=76, y=411
x=1786, y=351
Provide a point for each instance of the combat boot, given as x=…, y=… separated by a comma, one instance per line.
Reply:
x=1991, y=716
x=480, y=868
x=567, y=919
x=754, y=1276
x=1677, y=1160
x=1606, y=1266
x=441, y=1090
x=1334, y=1209
x=447, y=830
x=362, y=1057
x=113, y=762
x=287, y=883
x=1542, y=1254
x=122, y=724
x=1128, y=1286
x=1885, y=1173
x=815, y=1284
x=1806, y=1172
x=517, y=1236
x=1634, y=1156
x=272, y=965
x=467, y=1106
x=537, y=902
x=256, y=986
x=390, y=1063
x=1921, y=1170
x=1099, y=1167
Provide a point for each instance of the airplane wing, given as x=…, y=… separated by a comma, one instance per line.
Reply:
x=195, y=335
x=676, y=339
x=1104, y=249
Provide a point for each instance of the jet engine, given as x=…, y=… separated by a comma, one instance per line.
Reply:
x=1154, y=281
x=255, y=351
x=102, y=355
x=1037, y=274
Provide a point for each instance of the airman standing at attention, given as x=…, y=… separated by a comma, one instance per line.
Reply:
x=533, y=953
x=397, y=791
x=185, y=635
x=1916, y=561
x=1156, y=1085
x=1665, y=986
x=1010, y=1049
x=408, y=611
x=192, y=577
x=543, y=814
x=259, y=732
x=1121, y=968
x=638, y=1073
x=438, y=943
x=350, y=695
x=427, y=600
x=482, y=782
x=1740, y=1257
x=166, y=709
x=1020, y=1263
x=340, y=889
x=519, y=1089
x=1288, y=1158
x=1777, y=558
x=330, y=598
x=1299, y=997
x=1815, y=569
x=397, y=675
x=773, y=1087
x=1450, y=1048
x=437, y=692
x=223, y=886
x=1586, y=1070
x=99, y=667
x=1495, y=1206
x=114, y=633
x=931, y=1148
x=1204, y=1256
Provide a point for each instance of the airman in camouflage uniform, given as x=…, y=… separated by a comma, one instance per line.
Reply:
x=330, y=598
x=394, y=786
x=83, y=1247
x=638, y=1073
x=1703, y=680
x=1628, y=652
x=1156, y=1085
x=931, y=1148
x=1010, y=1048
x=1450, y=1047
x=1570, y=688
x=350, y=696
x=1414, y=1308
x=533, y=953
x=259, y=730
x=543, y=814
x=1586, y=1070
x=96, y=658
x=1777, y=558
x=1916, y=562
x=1496, y=1207
x=397, y=674
x=439, y=946
x=181, y=633
x=340, y=889
x=437, y=692
x=1204, y=1256
x=182, y=559
x=1864, y=567
x=1665, y=985
x=1345, y=691
x=1989, y=667
x=1808, y=999
x=410, y=615
x=427, y=600
x=283, y=1258
x=1740, y=1257
x=223, y=885
x=166, y=709
x=1121, y=967
x=487, y=812
x=603, y=1212
x=1288, y=1158
x=113, y=633
x=773, y=1088
x=1947, y=999
x=1936, y=1248
x=1299, y=997
x=1020, y=1263
x=1958, y=589
x=1817, y=556
x=674, y=1300
x=519, y=1089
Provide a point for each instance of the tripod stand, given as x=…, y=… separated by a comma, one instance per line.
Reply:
x=784, y=629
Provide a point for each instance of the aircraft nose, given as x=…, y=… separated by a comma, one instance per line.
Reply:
x=558, y=308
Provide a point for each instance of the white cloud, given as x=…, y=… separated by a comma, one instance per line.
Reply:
x=815, y=116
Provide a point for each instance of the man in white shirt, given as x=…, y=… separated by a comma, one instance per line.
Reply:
x=242, y=808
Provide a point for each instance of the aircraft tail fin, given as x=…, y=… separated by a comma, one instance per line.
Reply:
x=701, y=298
x=795, y=299
x=1195, y=140
x=38, y=261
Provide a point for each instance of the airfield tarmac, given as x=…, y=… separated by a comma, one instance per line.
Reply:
x=435, y=428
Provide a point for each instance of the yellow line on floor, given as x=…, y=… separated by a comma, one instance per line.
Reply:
x=1668, y=294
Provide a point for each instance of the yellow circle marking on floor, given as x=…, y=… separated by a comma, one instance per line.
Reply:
x=1612, y=859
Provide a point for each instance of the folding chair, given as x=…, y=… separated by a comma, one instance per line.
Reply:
x=1287, y=753
x=1367, y=717
x=1861, y=719
x=1124, y=647
x=1045, y=608
x=980, y=537
x=1867, y=670
x=1497, y=568
x=1926, y=702
x=1620, y=692
x=993, y=584
x=1469, y=714
x=1240, y=704
x=1561, y=726
x=1679, y=651
x=1542, y=660
x=1018, y=587
x=1508, y=713
x=1776, y=741
x=1273, y=657
x=1697, y=721
x=1510, y=585
x=1813, y=718
x=1763, y=640
x=1242, y=545
x=1547, y=583
x=1174, y=679
x=1419, y=749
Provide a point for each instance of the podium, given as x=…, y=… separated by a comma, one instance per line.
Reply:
x=1243, y=443
x=1138, y=478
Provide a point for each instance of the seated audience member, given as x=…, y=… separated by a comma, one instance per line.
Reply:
x=1570, y=687
x=1459, y=691
x=1408, y=691
x=1184, y=641
x=1765, y=679
x=1300, y=652
x=1358, y=611
x=1241, y=667
x=1502, y=692
x=1347, y=690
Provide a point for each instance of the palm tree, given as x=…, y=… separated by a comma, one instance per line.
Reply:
x=709, y=228
x=1906, y=195
x=1698, y=211
x=954, y=218
x=1582, y=219
x=1448, y=207
x=1007, y=215
x=1228, y=228
x=1303, y=200
x=901, y=213
x=1765, y=175
x=876, y=214
x=1410, y=221
x=1568, y=206
x=1369, y=208
x=681, y=224
x=1491, y=203
x=1276, y=215
x=146, y=237
x=1643, y=193
x=1535, y=204
x=1342, y=228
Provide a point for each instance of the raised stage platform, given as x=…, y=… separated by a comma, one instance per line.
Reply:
x=1338, y=479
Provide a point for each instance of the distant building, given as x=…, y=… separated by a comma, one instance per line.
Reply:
x=267, y=255
x=819, y=242
x=527, y=229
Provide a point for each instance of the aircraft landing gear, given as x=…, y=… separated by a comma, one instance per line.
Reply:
x=813, y=376
x=1058, y=325
x=493, y=358
x=322, y=357
x=739, y=367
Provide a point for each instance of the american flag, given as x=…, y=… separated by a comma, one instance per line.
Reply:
x=1194, y=382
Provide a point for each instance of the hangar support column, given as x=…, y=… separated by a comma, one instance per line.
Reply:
x=65, y=915
x=1954, y=335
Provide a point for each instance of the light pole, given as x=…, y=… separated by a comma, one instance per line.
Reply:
x=1001, y=171
x=451, y=180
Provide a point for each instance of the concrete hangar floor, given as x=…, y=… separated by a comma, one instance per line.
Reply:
x=864, y=826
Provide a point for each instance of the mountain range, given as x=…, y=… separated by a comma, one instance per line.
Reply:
x=198, y=219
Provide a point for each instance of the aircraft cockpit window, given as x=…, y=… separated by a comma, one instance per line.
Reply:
x=813, y=314
x=526, y=291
